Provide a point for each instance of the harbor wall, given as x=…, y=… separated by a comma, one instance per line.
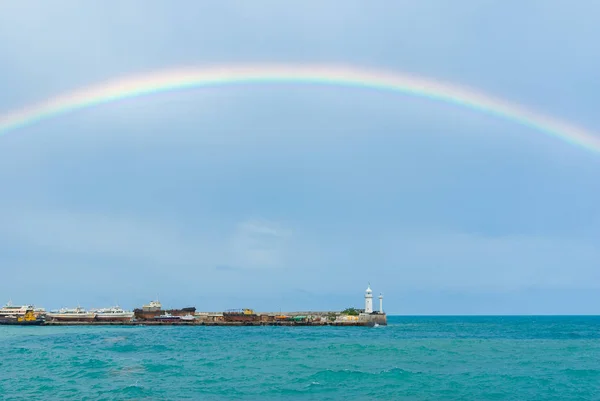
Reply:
x=202, y=323
x=373, y=318
x=217, y=319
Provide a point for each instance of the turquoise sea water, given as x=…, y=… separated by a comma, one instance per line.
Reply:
x=414, y=358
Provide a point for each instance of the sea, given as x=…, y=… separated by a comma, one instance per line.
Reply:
x=413, y=358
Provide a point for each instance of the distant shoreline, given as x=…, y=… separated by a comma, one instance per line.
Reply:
x=228, y=324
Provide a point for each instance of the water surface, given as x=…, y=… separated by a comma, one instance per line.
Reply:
x=414, y=358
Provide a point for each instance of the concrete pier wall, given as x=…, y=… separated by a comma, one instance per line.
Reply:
x=199, y=323
x=373, y=318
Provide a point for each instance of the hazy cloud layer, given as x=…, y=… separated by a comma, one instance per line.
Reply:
x=294, y=197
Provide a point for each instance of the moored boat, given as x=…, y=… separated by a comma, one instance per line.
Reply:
x=14, y=310
x=115, y=313
x=167, y=317
x=39, y=312
x=188, y=318
x=240, y=315
x=29, y=318
x=153, y=306
x=78, y=314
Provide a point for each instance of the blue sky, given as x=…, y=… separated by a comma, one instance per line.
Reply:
x=294, y=197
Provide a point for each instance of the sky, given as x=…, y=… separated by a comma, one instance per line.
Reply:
x=295, y=197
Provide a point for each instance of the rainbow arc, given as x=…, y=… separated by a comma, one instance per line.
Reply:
x=186, y=78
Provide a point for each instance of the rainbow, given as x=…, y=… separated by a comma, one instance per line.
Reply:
x=169, y=80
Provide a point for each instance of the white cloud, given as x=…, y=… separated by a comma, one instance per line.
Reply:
x=258, y=244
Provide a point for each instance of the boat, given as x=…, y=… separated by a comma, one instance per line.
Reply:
x=115, y=313
x=39, y=312
x=188, y=318
x=29, y=318
x=237, y=312
x=13, y=310
x=153, y=306
x=78, y=314
x=240, y=315
x=167, y=317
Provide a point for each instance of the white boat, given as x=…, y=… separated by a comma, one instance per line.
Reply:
x=39, y=311
x=71, y=314
x=153, y=306
x=13, y=310
x=115, y=313
x=188, y=318
x=167, y=317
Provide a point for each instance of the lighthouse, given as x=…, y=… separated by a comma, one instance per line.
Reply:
x=380, y=303
x=369, y=300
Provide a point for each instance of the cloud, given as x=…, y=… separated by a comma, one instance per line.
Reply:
x=226, y=268
x=253, y=244
x=258, y=244
x=96, y=235
x=476, y=262
x=354, y=173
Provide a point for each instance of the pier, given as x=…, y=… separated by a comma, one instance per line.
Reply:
x=200, y=323
x=153, y=314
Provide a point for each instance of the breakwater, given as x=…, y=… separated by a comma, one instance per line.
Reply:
x=200, y=323
x=244, y=318
x=153, y=314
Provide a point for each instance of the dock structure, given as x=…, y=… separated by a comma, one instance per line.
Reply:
x=202, y=323
x=153, y=315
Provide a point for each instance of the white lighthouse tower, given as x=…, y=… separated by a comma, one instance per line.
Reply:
x=381, y=303
x=369, y=300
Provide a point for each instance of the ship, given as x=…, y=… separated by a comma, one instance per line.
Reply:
x=240, y=315
x=29, y=318
x=188, y=318
x=78, y=314
x=154, y=308
x=13, y=310
x=113, y=314
x=167, y=317
x=39, y=312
